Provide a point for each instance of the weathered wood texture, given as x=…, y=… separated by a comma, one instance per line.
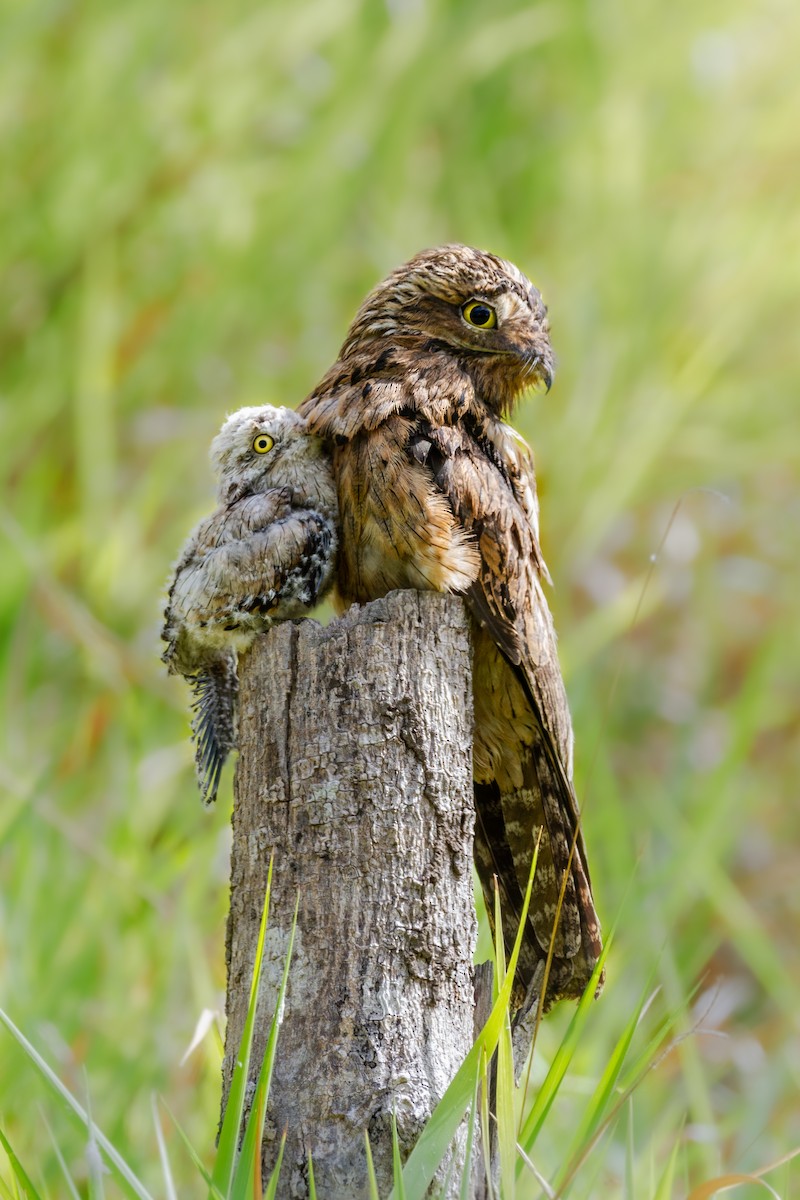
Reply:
x=355, y=768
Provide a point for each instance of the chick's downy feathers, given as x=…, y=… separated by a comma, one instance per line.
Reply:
x=265, y=554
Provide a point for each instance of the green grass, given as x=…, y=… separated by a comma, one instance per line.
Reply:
x=236, y=1173
x=193, y=198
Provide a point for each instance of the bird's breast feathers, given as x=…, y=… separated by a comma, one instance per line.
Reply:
x=411, y=486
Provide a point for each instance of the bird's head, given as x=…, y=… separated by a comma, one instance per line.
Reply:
x=264, y=447
x=477, y=308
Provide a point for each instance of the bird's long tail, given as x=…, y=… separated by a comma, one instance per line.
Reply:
x=215, y=690
x=506, y=830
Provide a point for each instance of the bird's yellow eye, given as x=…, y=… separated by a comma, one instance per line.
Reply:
x=263, y=443
x=475, y=312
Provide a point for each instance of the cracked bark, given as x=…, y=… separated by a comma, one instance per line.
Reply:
x=355, y=768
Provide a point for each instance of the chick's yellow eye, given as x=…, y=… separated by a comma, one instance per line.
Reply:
x=263, y=443
x=475, y=312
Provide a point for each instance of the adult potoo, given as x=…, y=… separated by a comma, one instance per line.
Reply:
x=436, y=491
x=266, y=554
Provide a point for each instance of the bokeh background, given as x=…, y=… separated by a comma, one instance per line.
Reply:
x=193, y=199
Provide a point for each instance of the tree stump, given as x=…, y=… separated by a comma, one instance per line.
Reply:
x=355, y=769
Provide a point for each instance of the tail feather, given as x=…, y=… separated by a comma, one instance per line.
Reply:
x=496, y=868
x=507, y=826
x=213, y=721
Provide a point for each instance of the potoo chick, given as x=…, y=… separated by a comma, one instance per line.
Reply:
x=437, y=492
x=266, y=554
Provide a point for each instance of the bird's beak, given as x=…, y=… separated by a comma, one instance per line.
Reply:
x=541, y=368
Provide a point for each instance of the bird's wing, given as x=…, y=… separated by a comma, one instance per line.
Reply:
x=273, y=571
x=413, y=484
x=489, y=487
x=233, y=521
x=507, y=597
x=245, y=565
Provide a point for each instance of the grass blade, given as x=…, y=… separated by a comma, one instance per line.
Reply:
x=398, y=1190
x=94, y=1158
x=214, y=1192
x=486, y=1140
x=247, y=1178
x=272, y=1186
x=227, y=1149
x=20, y=1174
x=665, y=1184
x=169, y=1185
x=596, y=1108
x=113, y=1156
x=630, y=1153
x=247, y=1175
x=423, y=1161
x=504, y=1099
x=73, y=1191
x=712, y=1186
x=723, y=1182
x=373, y=1182
x=558, y=1068
x=466, y=1177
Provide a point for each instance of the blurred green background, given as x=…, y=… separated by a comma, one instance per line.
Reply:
x=193, y=199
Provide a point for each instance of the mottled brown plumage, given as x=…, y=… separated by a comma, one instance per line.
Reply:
x=436, y=491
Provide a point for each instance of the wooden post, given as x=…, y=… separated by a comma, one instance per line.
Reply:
x=355, y=769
